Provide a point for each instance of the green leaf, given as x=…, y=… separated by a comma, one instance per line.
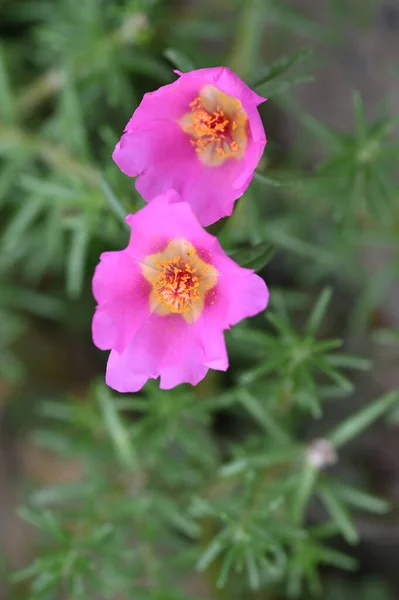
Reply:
x=179, y=60
x=44, y=582
x=26, y=573
x=328, y=556
x=45, y=520
x=339, y=515
x=252, y=338
x=175, y=516
x=21, y=222
x=318, y=311
x=273, y=181
x=7, y=102
x=292, y=19
x=278, y=67
x=71, y=118
x=331, y=138
x=355, y=424
x=248, y=37
x=273, y=88
x=56, y=494
x=211, y=552
x=360, y=117
x=143, y=63
x=263, y=417
x=112, y=421
x=253, y=258
x=114, y=202
x=386, y=336
x=268, y=459
x=253, y=571
x=21, y=298
x=347, y=361
x=362, y=500
x=258, y=372
x=335, y=375
x=278, y=235
x=227, y=564
x=305, y=487
x=77, y=258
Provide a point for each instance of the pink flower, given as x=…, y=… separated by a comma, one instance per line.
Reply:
x=201, y=136
x=165, y=300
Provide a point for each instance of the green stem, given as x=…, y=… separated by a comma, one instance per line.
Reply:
x=308, y=479
x=208, y=532
x=248, y=38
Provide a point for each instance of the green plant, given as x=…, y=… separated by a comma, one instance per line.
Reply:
x=164, y=492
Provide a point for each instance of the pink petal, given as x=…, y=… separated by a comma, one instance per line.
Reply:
x=120, y=376
x=154, y=141
x=191, y=373
x=167, y=103
x=248, y=296
x=122, y=294
x=209, y=331
x=241, y=292
x=164, y=219
x=226, y=81
x=211, y=192
x=164, y=346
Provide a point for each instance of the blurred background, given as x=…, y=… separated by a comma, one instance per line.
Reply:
x=326, y=198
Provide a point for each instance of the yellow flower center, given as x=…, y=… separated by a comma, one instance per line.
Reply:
x=180, y=280
x=177, y=284
x=217, y=126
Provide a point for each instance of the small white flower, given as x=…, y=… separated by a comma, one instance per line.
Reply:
x=321, y=453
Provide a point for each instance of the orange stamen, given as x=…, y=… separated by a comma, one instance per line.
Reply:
x=176, y=286
x=210, y=128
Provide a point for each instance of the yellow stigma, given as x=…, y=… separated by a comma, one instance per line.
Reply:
x=217, y=126
x=180, y=280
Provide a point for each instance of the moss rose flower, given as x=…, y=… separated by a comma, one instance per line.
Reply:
x=164, y=301
x=201, y=136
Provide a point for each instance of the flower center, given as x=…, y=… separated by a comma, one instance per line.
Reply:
x=216, y=125
x=177, y=284
x=181, y=281
x=211, y=128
